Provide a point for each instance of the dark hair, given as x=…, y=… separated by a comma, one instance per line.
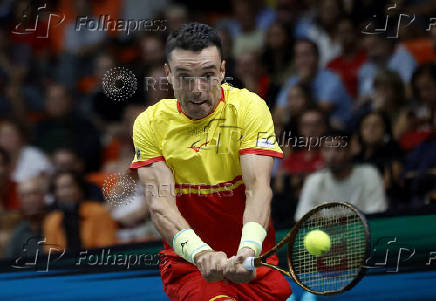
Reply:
x=77, y=178
x=312, y=108
x=193, y=36
x=311, y=42
x=23, y=131
x=428, y=69
x=394, y=81
x=386, y=122
x=5, y=156
x=338, y=134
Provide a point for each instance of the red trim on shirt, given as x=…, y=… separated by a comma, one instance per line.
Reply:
x=139, y=164
x=236, y=179
x=263, y=152
x=179, y=107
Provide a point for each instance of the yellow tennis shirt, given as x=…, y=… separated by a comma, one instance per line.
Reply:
x=204, y=155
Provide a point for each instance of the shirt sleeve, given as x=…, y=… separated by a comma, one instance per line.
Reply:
x=145, y=141
x=258, y=136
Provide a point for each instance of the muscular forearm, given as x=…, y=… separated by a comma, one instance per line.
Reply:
x=257, y=208
x=167, y=218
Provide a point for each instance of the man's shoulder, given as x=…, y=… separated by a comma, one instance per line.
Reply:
x=317, y=177
x=365, y=172
x=242, y=99
x=162, y=108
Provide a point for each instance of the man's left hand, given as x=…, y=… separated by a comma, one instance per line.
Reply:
x=235, y=272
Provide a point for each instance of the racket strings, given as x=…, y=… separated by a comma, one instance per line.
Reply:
x=337, y=268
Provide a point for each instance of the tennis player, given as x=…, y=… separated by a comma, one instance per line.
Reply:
x=205, y=160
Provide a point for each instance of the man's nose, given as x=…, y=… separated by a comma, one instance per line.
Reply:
x=198, y=85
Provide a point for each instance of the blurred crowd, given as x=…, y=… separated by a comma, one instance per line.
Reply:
x=353, y=112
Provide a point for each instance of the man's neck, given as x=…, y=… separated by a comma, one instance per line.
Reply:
x=342, y=174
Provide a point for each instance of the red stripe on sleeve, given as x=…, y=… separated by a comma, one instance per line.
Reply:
x=139, y=164
x=263, y=152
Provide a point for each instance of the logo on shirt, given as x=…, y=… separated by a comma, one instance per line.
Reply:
x=264, y=142
x=198, y=148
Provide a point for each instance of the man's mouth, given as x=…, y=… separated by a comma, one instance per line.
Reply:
x=198, y=102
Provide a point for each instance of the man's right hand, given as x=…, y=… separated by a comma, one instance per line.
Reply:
x=211, y=265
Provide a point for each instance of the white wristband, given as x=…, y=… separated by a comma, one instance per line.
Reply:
x=252, y=237
x=187, y=244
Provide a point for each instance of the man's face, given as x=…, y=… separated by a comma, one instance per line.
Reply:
x=336, y=157
x=67, y=192
x=31, y=197
x=306, y=60
x=58, y=103
x=196, y=79
x=312, y=124
x=427, y=89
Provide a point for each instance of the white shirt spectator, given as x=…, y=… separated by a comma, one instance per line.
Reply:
x=363, y=188
x=31, y=163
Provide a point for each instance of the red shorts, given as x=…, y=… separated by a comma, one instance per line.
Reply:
x=183, y=281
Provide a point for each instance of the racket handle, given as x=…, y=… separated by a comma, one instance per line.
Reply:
x=248, y=264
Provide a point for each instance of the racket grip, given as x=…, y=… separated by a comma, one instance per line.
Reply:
x=248, y=264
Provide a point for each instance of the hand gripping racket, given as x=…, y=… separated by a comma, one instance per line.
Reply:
x=341, y=267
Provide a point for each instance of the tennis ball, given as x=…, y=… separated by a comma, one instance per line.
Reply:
x=317, y=242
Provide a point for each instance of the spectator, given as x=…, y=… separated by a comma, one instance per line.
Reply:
x=25, y=161
x=323, y=30
x=27, y=234
x=382, y=53
x=388, y=97
x=424, y=88
x=277, y=54
x=65, y=159
x=420, y=171
x=80, y=46
x=297, y=165
x=361, y=186
x=76, y=223
x=414, y=123
x=65, y=127
x=103, y=109
x=254, y=78
x=299, y=99
x=352, y=58
x=327, y=88
x=379, y=149
x=250, y=38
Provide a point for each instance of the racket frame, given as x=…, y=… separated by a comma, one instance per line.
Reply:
x=290, y=239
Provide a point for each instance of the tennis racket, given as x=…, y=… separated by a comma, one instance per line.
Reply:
x=337, y=270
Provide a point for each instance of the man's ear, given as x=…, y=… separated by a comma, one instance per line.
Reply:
x=168, y=73
x=223, y=70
